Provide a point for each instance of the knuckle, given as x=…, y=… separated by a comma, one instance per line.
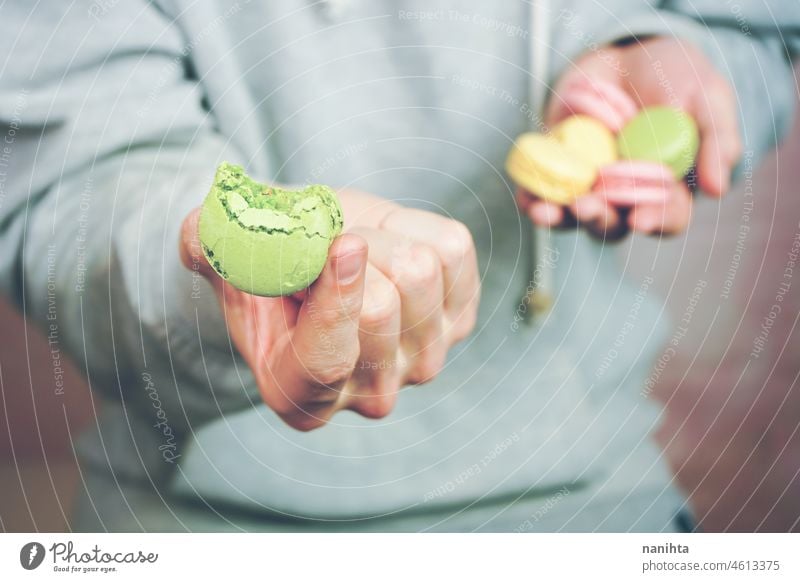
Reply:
x=420, y=270
x=377, y=406
x=380, y=307
x=313, y=412
x=283, y=407
x=344, y=308
x=314, y=402
x=427, y=366
x=455, y=243
x=304, y=422
x=464, y=326
x=378, y=316
x=326, y=378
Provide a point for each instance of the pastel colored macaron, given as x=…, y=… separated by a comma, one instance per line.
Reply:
x=587, y=138
x=543, y=166
x=562, y=166
x=661, y=134
x=632, y=183
x=601, y=100
x=265, y=240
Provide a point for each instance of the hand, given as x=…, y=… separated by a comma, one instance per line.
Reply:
x=659, y=71
x=398, y=290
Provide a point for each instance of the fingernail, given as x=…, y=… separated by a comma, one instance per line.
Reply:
x=348, y=267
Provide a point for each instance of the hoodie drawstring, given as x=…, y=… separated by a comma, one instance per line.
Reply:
x=539, y=290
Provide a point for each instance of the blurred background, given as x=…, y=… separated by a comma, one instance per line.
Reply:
x=730, y=427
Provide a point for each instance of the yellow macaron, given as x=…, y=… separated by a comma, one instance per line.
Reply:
x=562, y=166
x=588, y=138
x=543, y=166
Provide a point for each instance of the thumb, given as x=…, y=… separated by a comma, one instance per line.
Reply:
x=191, y=251
x=324, y=345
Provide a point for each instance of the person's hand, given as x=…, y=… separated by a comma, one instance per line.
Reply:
x=398, y=290
x=659, y=71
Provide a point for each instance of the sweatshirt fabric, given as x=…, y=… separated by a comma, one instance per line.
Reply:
x=115, y=115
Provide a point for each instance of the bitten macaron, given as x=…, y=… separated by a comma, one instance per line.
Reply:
x=265, y=240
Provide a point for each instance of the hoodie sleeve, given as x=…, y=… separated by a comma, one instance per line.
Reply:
x=106, y=147
x=750, y=43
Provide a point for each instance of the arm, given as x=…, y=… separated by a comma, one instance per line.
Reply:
x=110, y=149
x=113, y=150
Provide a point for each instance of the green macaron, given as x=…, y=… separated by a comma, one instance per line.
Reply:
x=661, y=134
x=266, y=240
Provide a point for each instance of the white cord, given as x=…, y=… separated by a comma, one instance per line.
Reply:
x=541, y=271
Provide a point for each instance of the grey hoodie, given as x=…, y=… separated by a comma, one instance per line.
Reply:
x=115, y=115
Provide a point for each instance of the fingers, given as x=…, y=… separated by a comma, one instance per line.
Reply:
x=455, y=250
x=377, y=376
x=302, y=386
x=599, y=218
x=592, y=87
x=601, y=99
x=415, y=271
x=664, y=220
x=549, y=215
x=320, y=354
x=540, y=212
x=714, y=109
x=608, y=222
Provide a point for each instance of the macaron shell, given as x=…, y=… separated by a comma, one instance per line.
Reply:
x=633, y=183
x=267, y=251
x=539, y=184
x=259, y=263
x=546, y=168
x=587, y=138
x=629, y=197
x=661, y=134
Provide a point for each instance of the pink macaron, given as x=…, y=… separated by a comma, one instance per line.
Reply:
x=632, y=183
x=600, y=99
